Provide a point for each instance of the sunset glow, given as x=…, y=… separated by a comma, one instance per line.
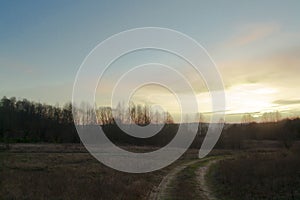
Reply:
x=257, y=55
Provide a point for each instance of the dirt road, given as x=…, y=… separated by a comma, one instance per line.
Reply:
x=205, y=191
x=161, y=191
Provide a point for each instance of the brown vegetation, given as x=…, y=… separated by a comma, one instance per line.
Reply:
x=68, y=176
x=67, y=171
x=258, y=176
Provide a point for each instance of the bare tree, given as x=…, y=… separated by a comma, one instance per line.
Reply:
x=168, y=118
x=271, y=117
x=104, y=115
x=247, y=118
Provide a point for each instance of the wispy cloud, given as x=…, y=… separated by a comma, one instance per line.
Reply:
x=280, y=68
x=251, y=33
x=287, y=102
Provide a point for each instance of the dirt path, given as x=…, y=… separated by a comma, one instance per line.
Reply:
x=161, y=191
x=205, y=191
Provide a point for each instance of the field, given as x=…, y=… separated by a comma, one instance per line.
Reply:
x=258, y=175
x=67, y=171
x=49, y=172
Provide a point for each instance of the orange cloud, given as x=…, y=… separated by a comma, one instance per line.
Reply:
x=252, y=33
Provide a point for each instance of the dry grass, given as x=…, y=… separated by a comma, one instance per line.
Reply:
x=264, y=175
x=68, y=176
x=48, y=171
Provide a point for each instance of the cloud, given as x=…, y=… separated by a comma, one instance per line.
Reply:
x=279, y=68
x=251, y=33
x=287, y=102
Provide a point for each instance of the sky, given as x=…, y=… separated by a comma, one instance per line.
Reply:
x=255, y=45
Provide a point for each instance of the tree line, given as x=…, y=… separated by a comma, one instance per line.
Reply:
x=27, y=121
x=237, y=136
x=142, y=115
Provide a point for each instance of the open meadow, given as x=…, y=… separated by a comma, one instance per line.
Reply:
x=68, y=171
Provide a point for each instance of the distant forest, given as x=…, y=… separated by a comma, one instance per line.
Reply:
x=27, y=121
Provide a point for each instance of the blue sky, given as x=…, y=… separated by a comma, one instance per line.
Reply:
x=43, y=43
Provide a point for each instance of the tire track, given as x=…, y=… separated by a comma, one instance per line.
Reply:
x=161, y=192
